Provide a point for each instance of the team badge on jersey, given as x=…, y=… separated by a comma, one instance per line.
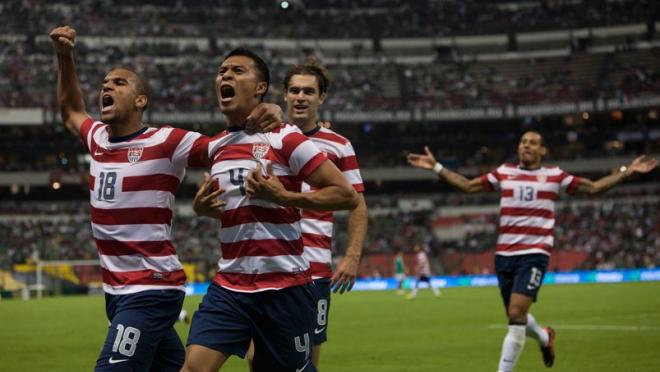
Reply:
x=134, y=154
x=259, y=150
x=542, y=179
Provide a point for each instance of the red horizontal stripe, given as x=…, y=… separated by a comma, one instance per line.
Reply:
x=316, y=240
x=143, y=277
x=347, y=163
x=507, y=193
x=547, y=195
x=525, y=230
x=291, y=141
x=320, y=269
x=531, y=212
x=252, y=213
x=533, y=178
x=572, y=187
x=199, y=153
x=264, y=247
x=359, y=187
x=121, y=155
x=157, y=248
x=132, y=216
x=522, y=247
x=157, y=182
x=333, y=137
x=173, y=140
x=92, y=182
x=255, y=282
x=332, y=157
x=486, y=183
x=317, y=215
x=312, y=165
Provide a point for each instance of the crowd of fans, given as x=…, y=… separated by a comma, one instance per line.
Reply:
x=614, y=234
x=319, y=19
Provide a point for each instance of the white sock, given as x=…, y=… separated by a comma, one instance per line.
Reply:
x=436, y=291
x=413, y=293
x=513, y=345
x=535, y=331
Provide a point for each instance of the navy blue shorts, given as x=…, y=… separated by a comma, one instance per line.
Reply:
x=279, y=322
x=521, y=274
x=322, y=289
x=141, y=335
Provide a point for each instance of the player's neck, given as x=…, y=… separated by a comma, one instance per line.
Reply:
x=125, y=128
x=308, y=126
x=236, y=119
x=530, y=167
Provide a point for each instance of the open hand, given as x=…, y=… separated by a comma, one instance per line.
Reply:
x=266, y=117
x=344, y=277
x=639, y=165
x=423, y=161
x=206, y=202
x=266, y=187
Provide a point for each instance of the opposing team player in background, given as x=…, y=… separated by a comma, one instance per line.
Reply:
x=528, y=193
x=134, y=172
x=263, y=288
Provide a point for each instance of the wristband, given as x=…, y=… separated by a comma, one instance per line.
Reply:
x=437, y=168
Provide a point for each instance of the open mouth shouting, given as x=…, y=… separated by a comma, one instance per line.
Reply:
x=107, y=103
x=227, y=93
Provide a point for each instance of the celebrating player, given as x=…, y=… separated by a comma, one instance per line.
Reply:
x=135, y=171
x=423, y=269
x=263, y=288
x=528, y=192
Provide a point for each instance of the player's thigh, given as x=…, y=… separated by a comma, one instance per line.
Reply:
x=132, y=340
x=322, y=298
x=504, y=268
x=202, y=359
x=170, y=353
x=283, y=331
x=220, y=323
x=529, y=272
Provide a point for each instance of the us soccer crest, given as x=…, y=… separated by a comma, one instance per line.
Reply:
x=259, y=150
x=134, y=154
x=542, y=179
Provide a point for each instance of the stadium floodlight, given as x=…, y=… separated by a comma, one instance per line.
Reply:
x=284, y=4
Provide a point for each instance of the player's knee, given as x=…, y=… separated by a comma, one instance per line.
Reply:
x=517, y=314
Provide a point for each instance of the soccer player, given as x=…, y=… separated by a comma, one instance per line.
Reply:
x=528, y=192
x=399, y=270
x=263, y=289
x=423, y=269
x=305, y=89
x=134, y=172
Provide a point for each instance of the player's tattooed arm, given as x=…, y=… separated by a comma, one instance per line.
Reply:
x=639, y=165
x=427, y=161
x=206, y=202
x=346, y=273
x=69, y=94
x=266, y=117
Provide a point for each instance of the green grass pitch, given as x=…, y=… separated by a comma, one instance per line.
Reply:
x=602, y=327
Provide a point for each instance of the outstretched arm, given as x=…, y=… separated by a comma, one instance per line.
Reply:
x=69, y=94
x=346, y=272
x=639, y=165
x=427, y=161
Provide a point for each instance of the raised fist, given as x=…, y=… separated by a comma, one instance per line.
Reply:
x=63, y=39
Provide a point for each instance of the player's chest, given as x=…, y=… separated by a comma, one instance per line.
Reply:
x=528, y=189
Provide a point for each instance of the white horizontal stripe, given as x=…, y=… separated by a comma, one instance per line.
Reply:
x=545, y=223
x=135, y=199
x=546, y=204
x=538, y=186
x=312, y=254
x=138, y=262
x=142, y=233
x=141, y=168
x=567, y=181
x=182, y=151
x=224, y=166
x=235, y=200
x=319, y=227
x=353, y=176
x=493, y=180
x=510, y=239
x=259, y=231
x=330, y=146
x=264, y=264
x=128, y=289
x=522, y=252
x=543, y=171
x=303, y=153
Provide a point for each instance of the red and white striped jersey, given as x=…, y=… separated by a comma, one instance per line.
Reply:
x=423, y=264
x=317, y=226
x=132, y=184
x=527, y=206
x=261, y=246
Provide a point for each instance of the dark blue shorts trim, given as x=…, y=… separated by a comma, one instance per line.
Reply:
x=521, y=274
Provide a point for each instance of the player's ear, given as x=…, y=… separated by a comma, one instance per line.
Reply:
x=544, y=151
x=141, y=101
x=262, y=87
x=322, y=98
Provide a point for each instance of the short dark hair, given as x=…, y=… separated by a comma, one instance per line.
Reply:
x=311, y=67
x=539, y=134
x=262, y=67
x=142, y=84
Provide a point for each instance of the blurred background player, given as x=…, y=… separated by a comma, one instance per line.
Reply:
x=135, y=171
x=423, y=271
x=399, y=270
x=528, y=192
x=262, y=290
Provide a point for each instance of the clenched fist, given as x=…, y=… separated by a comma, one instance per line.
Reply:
x=63, y=39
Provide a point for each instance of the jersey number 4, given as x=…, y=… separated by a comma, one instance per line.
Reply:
x=107, y=185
